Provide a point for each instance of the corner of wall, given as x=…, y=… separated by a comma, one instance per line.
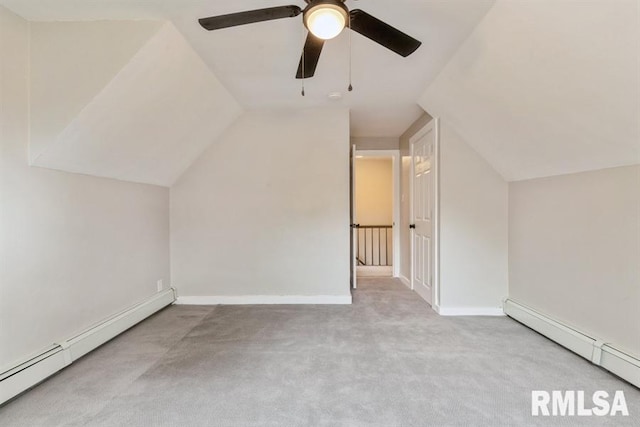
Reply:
x=473, y=226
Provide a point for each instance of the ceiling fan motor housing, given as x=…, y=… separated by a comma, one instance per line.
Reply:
x=317, y=6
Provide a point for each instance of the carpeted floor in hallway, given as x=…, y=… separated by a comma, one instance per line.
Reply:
x=386, y=360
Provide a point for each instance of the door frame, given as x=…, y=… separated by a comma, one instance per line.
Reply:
x=433, y=125
x=395, y=171
x=352, y=218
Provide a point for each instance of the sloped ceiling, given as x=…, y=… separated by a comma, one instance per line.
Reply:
x=70, y=63
x=538, y=88
x=257, y=63
x=148, y=123
x=546, y=87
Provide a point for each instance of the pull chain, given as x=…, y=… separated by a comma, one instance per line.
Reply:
x=350, y=55
x=303, y=59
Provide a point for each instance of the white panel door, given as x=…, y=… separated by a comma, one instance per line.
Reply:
x=422, y=152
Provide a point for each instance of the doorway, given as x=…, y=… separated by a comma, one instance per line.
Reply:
x=375, y=212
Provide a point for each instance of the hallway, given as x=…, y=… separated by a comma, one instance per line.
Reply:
x=386, y=360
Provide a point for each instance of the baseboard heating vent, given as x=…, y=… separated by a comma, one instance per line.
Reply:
x=600, y=353
x=37, y=368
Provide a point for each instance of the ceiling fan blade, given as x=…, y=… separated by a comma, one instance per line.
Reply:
x=383, y=33
x=312, y=50
x=249, y=17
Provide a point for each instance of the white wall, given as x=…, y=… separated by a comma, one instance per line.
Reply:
x=574, y=251
x=73, y=249
x=265, y=210
x=473, y=227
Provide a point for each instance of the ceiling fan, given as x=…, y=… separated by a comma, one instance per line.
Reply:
x=324, y=19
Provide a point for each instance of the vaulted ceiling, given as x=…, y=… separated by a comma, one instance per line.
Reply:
x=143, y=119
x=547, y=87
x=257, y=63
x=136, y=89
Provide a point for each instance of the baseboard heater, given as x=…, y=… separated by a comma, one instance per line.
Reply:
x=598, y=352
x=30, y=372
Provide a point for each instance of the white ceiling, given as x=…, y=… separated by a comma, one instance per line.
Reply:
x=547, y=87
x=72, y=62
x=132, y=131
x=257, y=63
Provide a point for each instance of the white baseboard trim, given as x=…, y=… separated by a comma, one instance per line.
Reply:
x=32, y=371
x=264, y=299
x=469, y=311
x=405, y=281
x=597, y=351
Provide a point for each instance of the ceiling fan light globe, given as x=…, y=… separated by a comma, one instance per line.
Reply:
x=325, y=21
